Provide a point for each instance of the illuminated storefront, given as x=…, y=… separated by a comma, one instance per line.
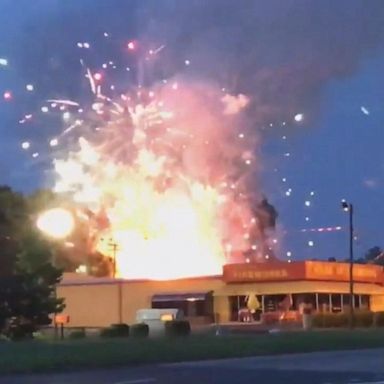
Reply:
x=274, y=286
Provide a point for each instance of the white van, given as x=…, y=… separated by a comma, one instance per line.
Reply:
x=155, y=318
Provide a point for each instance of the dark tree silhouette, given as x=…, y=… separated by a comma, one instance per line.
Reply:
x=374, y=255
x=266, y=216
x=28, y=277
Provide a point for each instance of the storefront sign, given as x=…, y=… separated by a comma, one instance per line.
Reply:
x=301, y=270
x=340, y=272
x=263, y=272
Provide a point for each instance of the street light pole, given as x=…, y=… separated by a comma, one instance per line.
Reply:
x=351, y=262
x=348, y=207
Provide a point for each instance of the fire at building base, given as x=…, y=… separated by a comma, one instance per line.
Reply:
x=243, y=292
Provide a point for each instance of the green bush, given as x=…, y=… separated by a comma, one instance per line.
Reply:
x=378, y=319
x=107, y=332
x=364, y=319
x=18, y=330
x=77, y=334
x=330, y=320
x=175, y=328
x=38, y=335
x=140, y=330
x=115, y=330
x=318, y=320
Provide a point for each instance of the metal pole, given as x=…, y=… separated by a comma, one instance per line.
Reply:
x=120, y=301
x=114, y=260
x=55, y=325
x=351, y=262
x=113, y=245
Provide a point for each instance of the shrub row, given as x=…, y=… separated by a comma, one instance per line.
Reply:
x=115, y=330
x=362, y=319
x=177, y=328
x=140, y=330
x=173, y=328
x=77, y=334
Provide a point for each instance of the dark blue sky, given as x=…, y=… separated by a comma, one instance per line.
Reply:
x=320, y=58
x=337, y=156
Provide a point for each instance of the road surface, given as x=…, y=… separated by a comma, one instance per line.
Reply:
x=352, y=367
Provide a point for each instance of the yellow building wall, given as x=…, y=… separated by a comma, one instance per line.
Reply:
x=96, y=302
x=90, y=305
x=221, y=309
x=138, y=295
x=377, y=303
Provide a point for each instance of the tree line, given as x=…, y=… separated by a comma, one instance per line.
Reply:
x=28, y=276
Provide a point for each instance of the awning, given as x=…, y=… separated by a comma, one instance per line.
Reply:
x=192, y=296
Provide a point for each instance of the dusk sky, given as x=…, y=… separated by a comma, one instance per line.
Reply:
x=321, y=59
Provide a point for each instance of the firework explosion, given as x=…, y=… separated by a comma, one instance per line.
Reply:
x=163, y=176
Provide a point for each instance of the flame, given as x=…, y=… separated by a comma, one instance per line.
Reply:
x=159, y=176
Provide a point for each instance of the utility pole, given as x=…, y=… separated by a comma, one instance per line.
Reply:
x=114, y=247
x=348, y=207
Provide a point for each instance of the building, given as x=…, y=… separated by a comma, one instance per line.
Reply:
x=96, y=302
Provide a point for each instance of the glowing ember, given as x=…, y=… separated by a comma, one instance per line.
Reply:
x=7, y=95
x=25, y=145
x=97, y=76
x=54, y=142
x=299, y=117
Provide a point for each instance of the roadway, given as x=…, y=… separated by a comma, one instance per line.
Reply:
x=352, y=367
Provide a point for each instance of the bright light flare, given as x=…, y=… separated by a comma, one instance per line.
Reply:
x=57, y=223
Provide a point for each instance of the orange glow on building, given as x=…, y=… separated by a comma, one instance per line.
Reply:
x=279, y=288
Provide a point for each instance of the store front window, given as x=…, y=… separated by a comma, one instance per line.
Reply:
x=239, y=311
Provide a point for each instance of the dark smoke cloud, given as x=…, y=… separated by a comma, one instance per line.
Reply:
x=280, y=51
